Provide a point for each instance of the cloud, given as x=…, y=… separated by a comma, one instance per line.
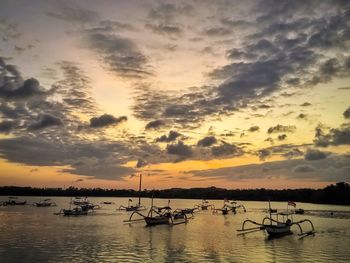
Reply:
x=217, y=31
x=282, y=137
x=302, y=116
x=281, y=128
x=106, y=120
x=165, y=29
x=335, y=136
x=173, y=135
x=45, y=121
x=6, y=126
x=306, y=104
x=346, y=113
x=13, y=87
x=226, y=149
x=304, y=168
x=207, y=141
x=254, y=128
x=264, y=154
x=154, y=124
x=333, y=169
x=120, y=54
x=314, y=154
x=180, y=149
x=74, y=15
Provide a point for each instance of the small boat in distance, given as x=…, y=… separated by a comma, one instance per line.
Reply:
x=204, y=205
x=229, y=206
x=44, y=203
x=13, y=201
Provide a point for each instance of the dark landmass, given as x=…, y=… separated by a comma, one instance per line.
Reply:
x=332, y=194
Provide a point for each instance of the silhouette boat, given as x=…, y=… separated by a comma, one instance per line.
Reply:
x=229, y=206
x=278, y=224
x=130, y=207
x=159, y=216
x=204, y=205
x=44, y=203
x=13, y=201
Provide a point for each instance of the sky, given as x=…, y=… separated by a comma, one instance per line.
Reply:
x=196, y=93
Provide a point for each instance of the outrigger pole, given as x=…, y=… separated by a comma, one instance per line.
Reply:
x=140, y=189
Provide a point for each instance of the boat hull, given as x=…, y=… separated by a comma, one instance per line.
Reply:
x=151, y=221
x=277, y=230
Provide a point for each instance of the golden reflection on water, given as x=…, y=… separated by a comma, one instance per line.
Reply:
x=30, y=234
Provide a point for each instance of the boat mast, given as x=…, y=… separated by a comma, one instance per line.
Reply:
x=140, y=189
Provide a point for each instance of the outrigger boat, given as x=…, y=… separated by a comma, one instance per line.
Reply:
x=138, y=206
x=78, y=210
x=13, y=201
x=159, y=216
x=278, y=224
x=229, y=206
x=44, y=203
x=204, y=205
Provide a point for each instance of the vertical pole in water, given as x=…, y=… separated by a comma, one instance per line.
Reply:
x=140, y=189
x=270, y=211
x=152, y=205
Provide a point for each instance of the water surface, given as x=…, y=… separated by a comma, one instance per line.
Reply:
x=31, y=234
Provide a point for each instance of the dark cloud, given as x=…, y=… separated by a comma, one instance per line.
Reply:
x=165, y=29
x=120, y=54
x=306, y=104
x=173, y=135
x=74, y=15
x=155, y=124
x=346, y=113
x=13, y=87
x=180, y=149
x=281, y=128
x=282, y=137
x=254, y=128
x=314, y=154
x=207, y=141
x=335, y=136
x=302, y=116
x=6, y=126
x=106, y=120
x=264, y=154
x=217, y=31
x=295, y=152
x=45, y=121
x=226, y=149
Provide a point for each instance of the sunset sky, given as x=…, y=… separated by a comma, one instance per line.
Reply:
x=234, y=94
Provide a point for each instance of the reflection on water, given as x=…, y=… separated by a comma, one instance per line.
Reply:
x=31, y=234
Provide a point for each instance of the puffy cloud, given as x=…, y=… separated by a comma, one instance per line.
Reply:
x=314, y=154
x=282, y=137
x=254, y=129
x=207, y=141
x=154, y=124
x=281, y=128
x=173, y=135
x=335, y=136
x=45, y=121
x=106, y=120
x=264, y=154
x=346, y=113
x=180, y=149
x=226, y=149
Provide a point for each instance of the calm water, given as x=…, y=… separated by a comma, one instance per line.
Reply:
x=31, y=234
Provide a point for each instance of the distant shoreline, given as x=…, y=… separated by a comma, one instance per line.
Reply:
x=338, y=194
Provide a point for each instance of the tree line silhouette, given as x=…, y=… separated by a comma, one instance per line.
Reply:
x=332, y=194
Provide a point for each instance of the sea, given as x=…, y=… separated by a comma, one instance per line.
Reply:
x=38, y=234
